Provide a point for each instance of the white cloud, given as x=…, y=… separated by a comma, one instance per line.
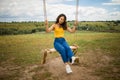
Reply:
x=53, y=1
x=57, y=1
x=113, y=2
x=21, y=8
x=68, y=0
x=85, y=13
x=32, y=10
x=116, y=1
x=92, y=13
x=55, y=10
x=114, y=15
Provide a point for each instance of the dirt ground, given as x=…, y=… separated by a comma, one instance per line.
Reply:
x=57, y=68
x=54, y=69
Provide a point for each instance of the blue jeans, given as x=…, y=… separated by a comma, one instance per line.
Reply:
x=63, y=48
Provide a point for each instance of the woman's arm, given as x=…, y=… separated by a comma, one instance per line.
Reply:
x=48, y=29
x=72, y=30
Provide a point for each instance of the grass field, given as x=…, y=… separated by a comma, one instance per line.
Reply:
x=25, y=50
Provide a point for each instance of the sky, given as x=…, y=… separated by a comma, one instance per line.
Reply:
x=32, y=10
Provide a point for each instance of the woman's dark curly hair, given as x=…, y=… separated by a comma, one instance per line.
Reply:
x=64, y=24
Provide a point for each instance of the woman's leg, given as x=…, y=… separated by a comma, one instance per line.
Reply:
x=68, y=50
x=62, y=51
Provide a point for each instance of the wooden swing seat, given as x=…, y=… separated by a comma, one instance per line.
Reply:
x=52, y=50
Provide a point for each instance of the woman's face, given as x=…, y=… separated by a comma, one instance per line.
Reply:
x=61, y=19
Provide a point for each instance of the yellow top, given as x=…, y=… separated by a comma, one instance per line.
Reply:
x=58, y=31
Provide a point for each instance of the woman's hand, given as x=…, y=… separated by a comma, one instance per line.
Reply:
x=46, y=22
x=48, y=29
x=76, y=23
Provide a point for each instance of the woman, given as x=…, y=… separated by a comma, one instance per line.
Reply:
x=60, y=43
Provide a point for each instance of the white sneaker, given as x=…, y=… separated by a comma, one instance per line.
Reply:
x=68, y=69
x=75, y=59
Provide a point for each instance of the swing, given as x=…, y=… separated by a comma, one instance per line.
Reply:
x=74, y=47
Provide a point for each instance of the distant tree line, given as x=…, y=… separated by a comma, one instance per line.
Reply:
x=101, y=26
x=14, y=28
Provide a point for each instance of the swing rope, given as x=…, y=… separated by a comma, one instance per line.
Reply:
x=44, y=8
x=77, y=5
x=76, y=18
